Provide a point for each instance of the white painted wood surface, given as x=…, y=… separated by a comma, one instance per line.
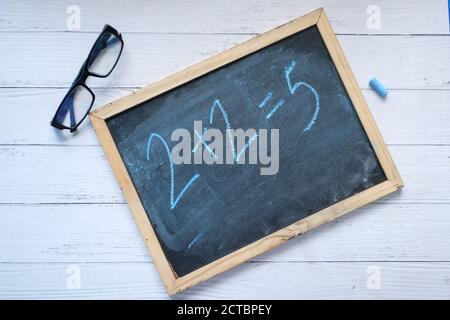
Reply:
x=223, y=16
x=401, y=62
x=61, y=209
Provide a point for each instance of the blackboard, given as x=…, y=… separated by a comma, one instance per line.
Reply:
x=201, y=213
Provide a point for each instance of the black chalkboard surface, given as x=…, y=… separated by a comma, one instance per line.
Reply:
x=231, y=206
x=203, y=212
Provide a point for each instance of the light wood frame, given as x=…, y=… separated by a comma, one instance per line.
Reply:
x=172, y=282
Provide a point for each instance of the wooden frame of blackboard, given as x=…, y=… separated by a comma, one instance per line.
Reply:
x=174, y=283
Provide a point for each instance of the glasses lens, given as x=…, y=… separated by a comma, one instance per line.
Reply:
x=75, y=106
x=104, y=55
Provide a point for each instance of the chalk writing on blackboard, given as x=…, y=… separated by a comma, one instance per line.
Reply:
x=284, y=90
x=236, y=152
x=293, y=89
x=172, y=200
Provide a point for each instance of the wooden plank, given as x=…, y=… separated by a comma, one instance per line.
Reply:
x=393, y=116
x=36, y=108
x=223, y=16
x=205, y=66
x=332, y=280
x=400, y=62
x=107, y=233
x=75, y=174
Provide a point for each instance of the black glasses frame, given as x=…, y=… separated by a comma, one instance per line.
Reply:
x=83, y=74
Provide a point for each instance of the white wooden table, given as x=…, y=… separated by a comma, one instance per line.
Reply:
x=65, y=231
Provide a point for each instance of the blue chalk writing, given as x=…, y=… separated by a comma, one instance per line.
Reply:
x=228, y=125
x=195, y=240
x=200, y=141
x=250, y=141
x=316, y=111
x=293, y=89
x=275, y=109
x=204, y=143
x=172, y=200
x=266, y=99
x=236, y=155
x=227, y=122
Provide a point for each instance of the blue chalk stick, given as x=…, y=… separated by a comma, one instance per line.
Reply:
x=378, y=87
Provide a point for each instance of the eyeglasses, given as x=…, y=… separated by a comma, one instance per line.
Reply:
x=78, y=101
